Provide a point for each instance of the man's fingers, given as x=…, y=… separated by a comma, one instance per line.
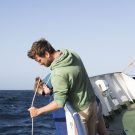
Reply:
x=31, y=108
x=33, y=112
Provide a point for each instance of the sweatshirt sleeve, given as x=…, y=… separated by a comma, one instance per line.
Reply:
x=60, y=89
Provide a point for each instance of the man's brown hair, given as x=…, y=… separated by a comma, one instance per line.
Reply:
x=39, y=48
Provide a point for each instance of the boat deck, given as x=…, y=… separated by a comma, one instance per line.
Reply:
x=124, y=121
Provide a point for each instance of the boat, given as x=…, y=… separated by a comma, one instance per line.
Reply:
x=113, y=90
x=116, y=92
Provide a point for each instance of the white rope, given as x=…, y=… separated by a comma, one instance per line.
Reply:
x=32, y=129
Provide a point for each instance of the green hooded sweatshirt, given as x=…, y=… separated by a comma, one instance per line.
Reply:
x=70, y=81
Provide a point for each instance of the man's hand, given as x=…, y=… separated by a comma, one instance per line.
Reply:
x=45, y=109
x=33, y=111
x=46, y=90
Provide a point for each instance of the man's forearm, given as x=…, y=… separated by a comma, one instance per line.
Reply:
x=48, y=108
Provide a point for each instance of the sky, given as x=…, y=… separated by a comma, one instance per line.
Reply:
x=102, y=32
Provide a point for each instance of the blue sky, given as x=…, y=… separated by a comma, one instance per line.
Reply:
x=102, y=32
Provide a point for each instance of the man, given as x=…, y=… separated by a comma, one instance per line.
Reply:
x=70, y=82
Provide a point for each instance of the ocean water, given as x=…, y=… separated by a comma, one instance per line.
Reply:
x=14, y=117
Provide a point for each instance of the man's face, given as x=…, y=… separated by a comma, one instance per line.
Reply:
x=46, y=61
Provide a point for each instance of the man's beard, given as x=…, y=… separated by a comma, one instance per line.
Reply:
x=48, y=63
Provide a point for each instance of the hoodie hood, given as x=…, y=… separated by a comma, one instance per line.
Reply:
x=66, y=59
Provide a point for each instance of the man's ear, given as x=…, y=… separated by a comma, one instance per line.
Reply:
x=47, y=54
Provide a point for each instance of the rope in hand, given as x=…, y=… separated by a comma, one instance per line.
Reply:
x=32, y=129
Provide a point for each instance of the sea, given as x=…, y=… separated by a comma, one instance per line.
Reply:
x=15, y=118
